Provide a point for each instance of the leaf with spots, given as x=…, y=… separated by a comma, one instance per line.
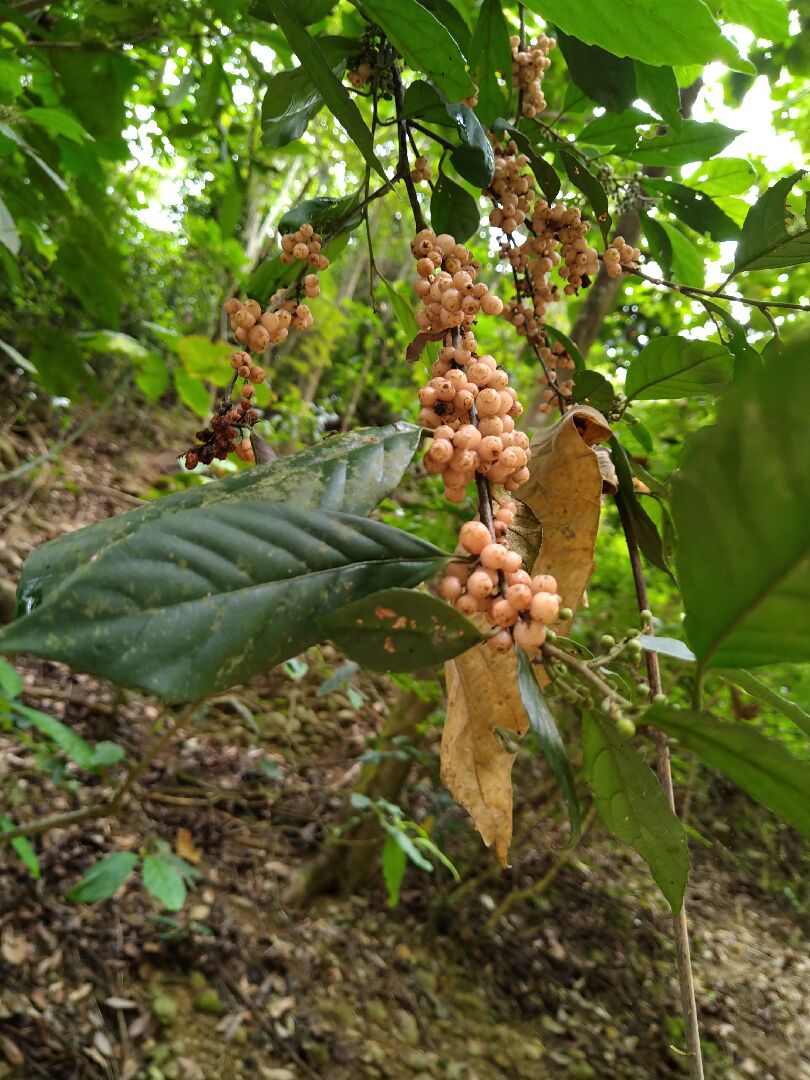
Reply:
x=192, y=603
x=351, y=472
x=399, y=630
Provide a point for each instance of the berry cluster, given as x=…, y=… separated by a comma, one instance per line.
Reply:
x=360, y=76
x=421, y=170
x=496, y=586
x=528, y=68
x=304, y=243
x=558, y=365
x=618, y=254
x=447, y=285
x=226, y=432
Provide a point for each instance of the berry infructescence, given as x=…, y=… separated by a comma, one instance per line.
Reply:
x=255, y=330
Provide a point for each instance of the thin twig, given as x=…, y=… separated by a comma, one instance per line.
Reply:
x=431, y=134
x=586, y=673
x=693, y=290
x=686, y=978
x=403, y=168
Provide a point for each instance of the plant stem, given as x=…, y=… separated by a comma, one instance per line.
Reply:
x=403, y=168
x=686, y=978
x=586, y=673
x=693, y=290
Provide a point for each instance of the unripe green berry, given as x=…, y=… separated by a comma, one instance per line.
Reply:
x=607, y=641
x=643, y=688
x=659, y=699
x=625, y=727
x=551, y=635
x=634, y=633
x=634, y=649
x=646, y=614
x=566, y=613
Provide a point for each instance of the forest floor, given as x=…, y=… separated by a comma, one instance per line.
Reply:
x=575, y=983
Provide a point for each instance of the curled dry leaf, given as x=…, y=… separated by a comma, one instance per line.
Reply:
x=15, y=948
x=565, y=493
x=482, y=696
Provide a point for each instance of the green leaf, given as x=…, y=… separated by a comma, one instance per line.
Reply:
x=666, y=646
x=260, y=573
x=394, y=861
x=762, y=767
x=760, y=690
x=68, y=740
x=646, y=30
x=592, y=388
x=767, y=18
x=772, y=235
x=658, y=86
x=591, y=188
x=675, y=367
x=18, y=358
x=614, y=127
x=632, y=805
x=694, y=141
x=645, y=529
x=162, y=879
x=723, y=176
x=331, y=89
x=403, y=309
x=571, y=347
x=22, y=848
x=208, y=90
x=605, y=78
x=104, y=877
x=453, y=210
x=152, y=376
x=739, y=501
x=11, y=683
x=54, y=177
x=351, y=472
x=695, y=209
x=422, y=100
x=399, y=630
x=687, y=264
x=451, y=18
x=490, y=52
x=544, y=172
x=659, y=243
x=474, y=160
x=289, y=103
x=106, y=753
x=192, y=392
x=424, y=42
x=203, y=358
x=9, y=235
x=320, y=213
x=548, y=735
x=746, y=358
x=58, y=122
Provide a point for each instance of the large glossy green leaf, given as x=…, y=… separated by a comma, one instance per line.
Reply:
x=723, y=176
x=746, y=358
x=772, y=235
x=9, y=234
x=58, y=122
x=740, y=502
x=605, y=78
x=695, y=209
x=548, y=735
x=614, y=127
x=334, y=93
x=350, y=472
x=764, y=693
x=633, y=807
x=195, y=602
x=762, y=767
x=490, y=54
x=453, y=210
x=658, y=86
x=767, y=18
x=658, y=33
x=399, y=630
x=675, y=367
x=687, y=261
x=289, y=103
x=644, y=528
x=424, y=42
x=474, y=159
x=694, y=141
x=321, y=213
